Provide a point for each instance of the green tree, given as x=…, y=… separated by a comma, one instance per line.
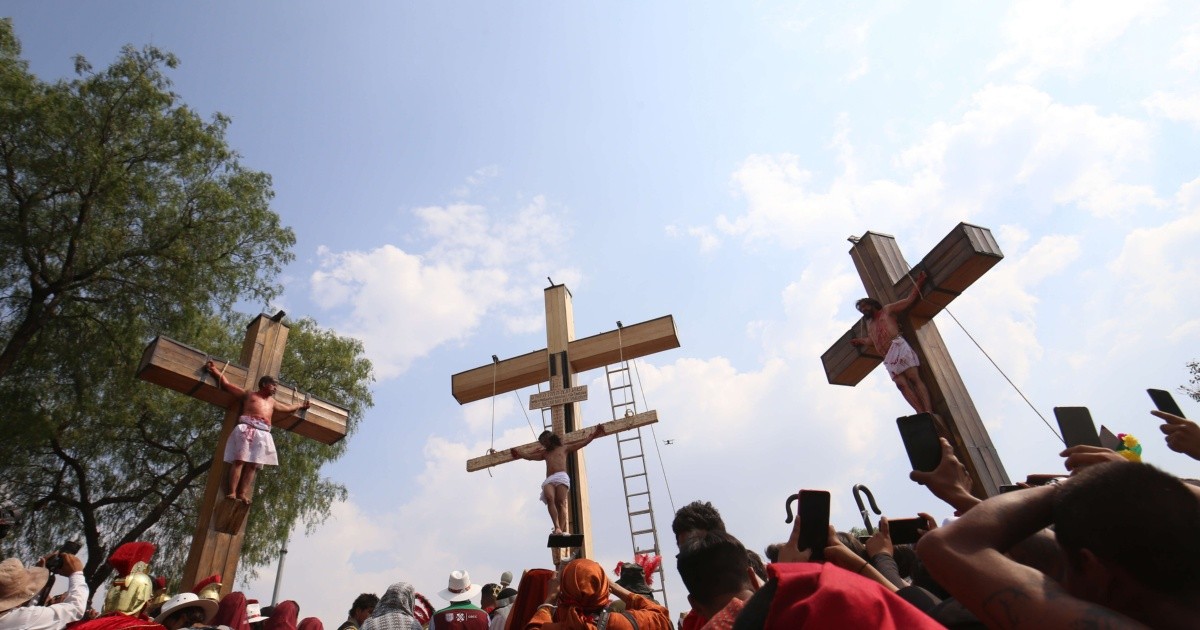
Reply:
x=1192, y=389
x=124, y=215
x=120, y=205
x=128, y=460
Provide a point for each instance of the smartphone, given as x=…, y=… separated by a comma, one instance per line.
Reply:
x=1077, y=426
x=904, y=530
x=1009, y=487
x=814, y=522
x=1165, y=402
x=920, y=437
x=1041, y=479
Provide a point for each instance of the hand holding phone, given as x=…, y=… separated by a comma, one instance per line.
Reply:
x=1077, y=426
x=904, y=531
x=1165, y=402
x=810, y=534
x=920, y=437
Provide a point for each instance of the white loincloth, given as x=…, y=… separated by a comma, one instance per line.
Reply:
x=558, y=479
x=251, y=442
x=900, y=357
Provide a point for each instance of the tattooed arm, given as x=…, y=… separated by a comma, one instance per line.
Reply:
x=968, y=556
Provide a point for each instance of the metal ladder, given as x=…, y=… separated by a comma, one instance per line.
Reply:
x=642, y=532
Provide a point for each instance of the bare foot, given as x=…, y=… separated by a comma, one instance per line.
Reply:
x=245, y=500
x=231, y=496
x=556, y=532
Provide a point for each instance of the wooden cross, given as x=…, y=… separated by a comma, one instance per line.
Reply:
x=559, y=362
x=221, y=527
x=960, y=259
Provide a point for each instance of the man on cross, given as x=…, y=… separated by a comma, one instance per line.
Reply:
x=251, y=441
x=557, y=483
x=883, y=332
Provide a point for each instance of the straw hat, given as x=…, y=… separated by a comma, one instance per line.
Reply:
x=19, y=584
x=187, y=600
x=460, y=587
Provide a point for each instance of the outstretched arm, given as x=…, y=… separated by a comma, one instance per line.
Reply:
x=863, y=342
x=222, y=381
x=902, y=305
x=286, y=409
x=598, y=432
x=531, y=453
x=968, y=556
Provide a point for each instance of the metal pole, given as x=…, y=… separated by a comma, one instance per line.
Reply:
x=279, y=574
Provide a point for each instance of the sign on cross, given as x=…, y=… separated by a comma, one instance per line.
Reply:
x=961, y=258
x=221, y=527
x=559, y=362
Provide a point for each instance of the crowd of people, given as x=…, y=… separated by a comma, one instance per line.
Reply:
x=1113, y=543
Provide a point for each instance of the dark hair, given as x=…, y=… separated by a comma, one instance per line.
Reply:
x=713, y=565
x=490, y=590
x=697, y=516
x=1134, y=516
x=364, y=602
x=772, y=551
x=551, y=437
x=756, y=563
x=190, y=615
x=854, y=544
x=872, y=301
x=264, y=380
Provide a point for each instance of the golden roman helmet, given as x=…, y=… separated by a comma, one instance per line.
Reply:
x=132, y=587
x=160, y=594
x=209, y=588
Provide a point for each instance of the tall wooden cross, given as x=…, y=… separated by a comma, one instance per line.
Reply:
x=559, y=362
x=221, y=527
x=960, y=259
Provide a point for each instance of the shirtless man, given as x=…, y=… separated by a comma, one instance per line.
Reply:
x=251, y=442
x=883, y=332
x=557, y=483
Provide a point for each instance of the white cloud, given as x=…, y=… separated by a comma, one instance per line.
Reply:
x=1187, y=50
x=1179, y=107
x=403, y=304
x=1050, y=35
x=1013, y=140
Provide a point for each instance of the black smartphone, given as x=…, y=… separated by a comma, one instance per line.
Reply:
x=1009, y=487
x=904, y=530
x=1077, y=426
x=920, y=437
x=814, y=522
x=1165, y=402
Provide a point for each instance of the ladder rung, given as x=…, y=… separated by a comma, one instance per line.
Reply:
x=625, y=459
x=643, y=531
x=636, y=494
x=632, y=439
x=639, y=512
x=641, y=474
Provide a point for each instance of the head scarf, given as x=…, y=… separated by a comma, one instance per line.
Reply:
x=535, y=585
x=311, y=623
x=232, y=612
x=283, y=617
x=582, y=593
x=394, y=610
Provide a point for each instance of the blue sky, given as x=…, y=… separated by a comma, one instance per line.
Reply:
x=707, y=160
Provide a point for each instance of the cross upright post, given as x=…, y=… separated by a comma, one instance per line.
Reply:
x=221, y=526
x=559, y=362
x=961, y=258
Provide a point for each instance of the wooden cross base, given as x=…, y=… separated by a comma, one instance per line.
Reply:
x=564, y=541
x=229, y=515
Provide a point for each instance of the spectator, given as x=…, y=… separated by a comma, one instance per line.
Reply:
x=504, y=606
x=186, y=610
x=579, y=600
x=361, y=610
x=19, y=584
x=1182, y=435
x=232, y=612
x=487, y=598
x=461, y=614
x=1109, y=522
x=395, y=611
x=311, y=623
x=718, y=575
x=695, y=519
x=283, y=616
x=535, y=585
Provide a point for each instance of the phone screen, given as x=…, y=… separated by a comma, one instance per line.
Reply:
x=1165, y=402
x=903, y=531
x=920, y=441
x=814, y=522
x=1077, y=426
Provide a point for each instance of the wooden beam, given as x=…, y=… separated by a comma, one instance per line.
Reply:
x=954, y=264
x=180, y=367
x=527, y=370
x=611, y=427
